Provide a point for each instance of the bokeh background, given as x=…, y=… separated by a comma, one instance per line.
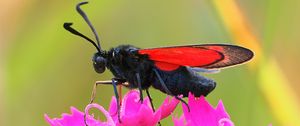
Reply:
x=45, y=69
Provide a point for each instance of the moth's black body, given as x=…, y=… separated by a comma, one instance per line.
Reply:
x=125, y=62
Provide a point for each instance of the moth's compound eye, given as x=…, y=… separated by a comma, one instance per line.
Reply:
x=99, y=63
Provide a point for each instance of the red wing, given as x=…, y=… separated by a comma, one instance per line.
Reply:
x=207, y=56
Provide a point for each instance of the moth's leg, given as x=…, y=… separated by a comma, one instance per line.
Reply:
x=95, y=88
x=148, y=94
x=138, y=78
x=120, y=82
x=94, y=93
x=114, y=83
x=120, y=93
x=167, y=90
x=152, y=106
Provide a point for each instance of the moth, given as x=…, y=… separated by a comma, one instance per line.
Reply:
x=172, y=70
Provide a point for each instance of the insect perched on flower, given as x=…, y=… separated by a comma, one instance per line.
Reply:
x=172, y=70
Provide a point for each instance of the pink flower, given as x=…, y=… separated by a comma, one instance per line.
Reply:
x=202, y=114
x=132, y=113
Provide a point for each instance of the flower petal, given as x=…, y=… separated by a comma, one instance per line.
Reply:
x=225, y=122
x=113, y=110
x=52, y=122
x=203, y=114
x=168, y=106
x=145, y=117
x=131, y=103
x=221, y=110
x=109, y=122
x=133, y=112
x=179, y=121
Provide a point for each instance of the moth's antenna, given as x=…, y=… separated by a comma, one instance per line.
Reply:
x=68, y=27
x=79, y=10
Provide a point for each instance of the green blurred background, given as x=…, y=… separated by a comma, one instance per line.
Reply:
x=45, y=69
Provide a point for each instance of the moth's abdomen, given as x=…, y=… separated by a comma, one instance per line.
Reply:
x=184, y=80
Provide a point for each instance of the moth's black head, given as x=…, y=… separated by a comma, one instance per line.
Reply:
x=99, y=63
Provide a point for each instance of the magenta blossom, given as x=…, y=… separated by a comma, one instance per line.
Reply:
x=132, y=113
x=202, y=114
